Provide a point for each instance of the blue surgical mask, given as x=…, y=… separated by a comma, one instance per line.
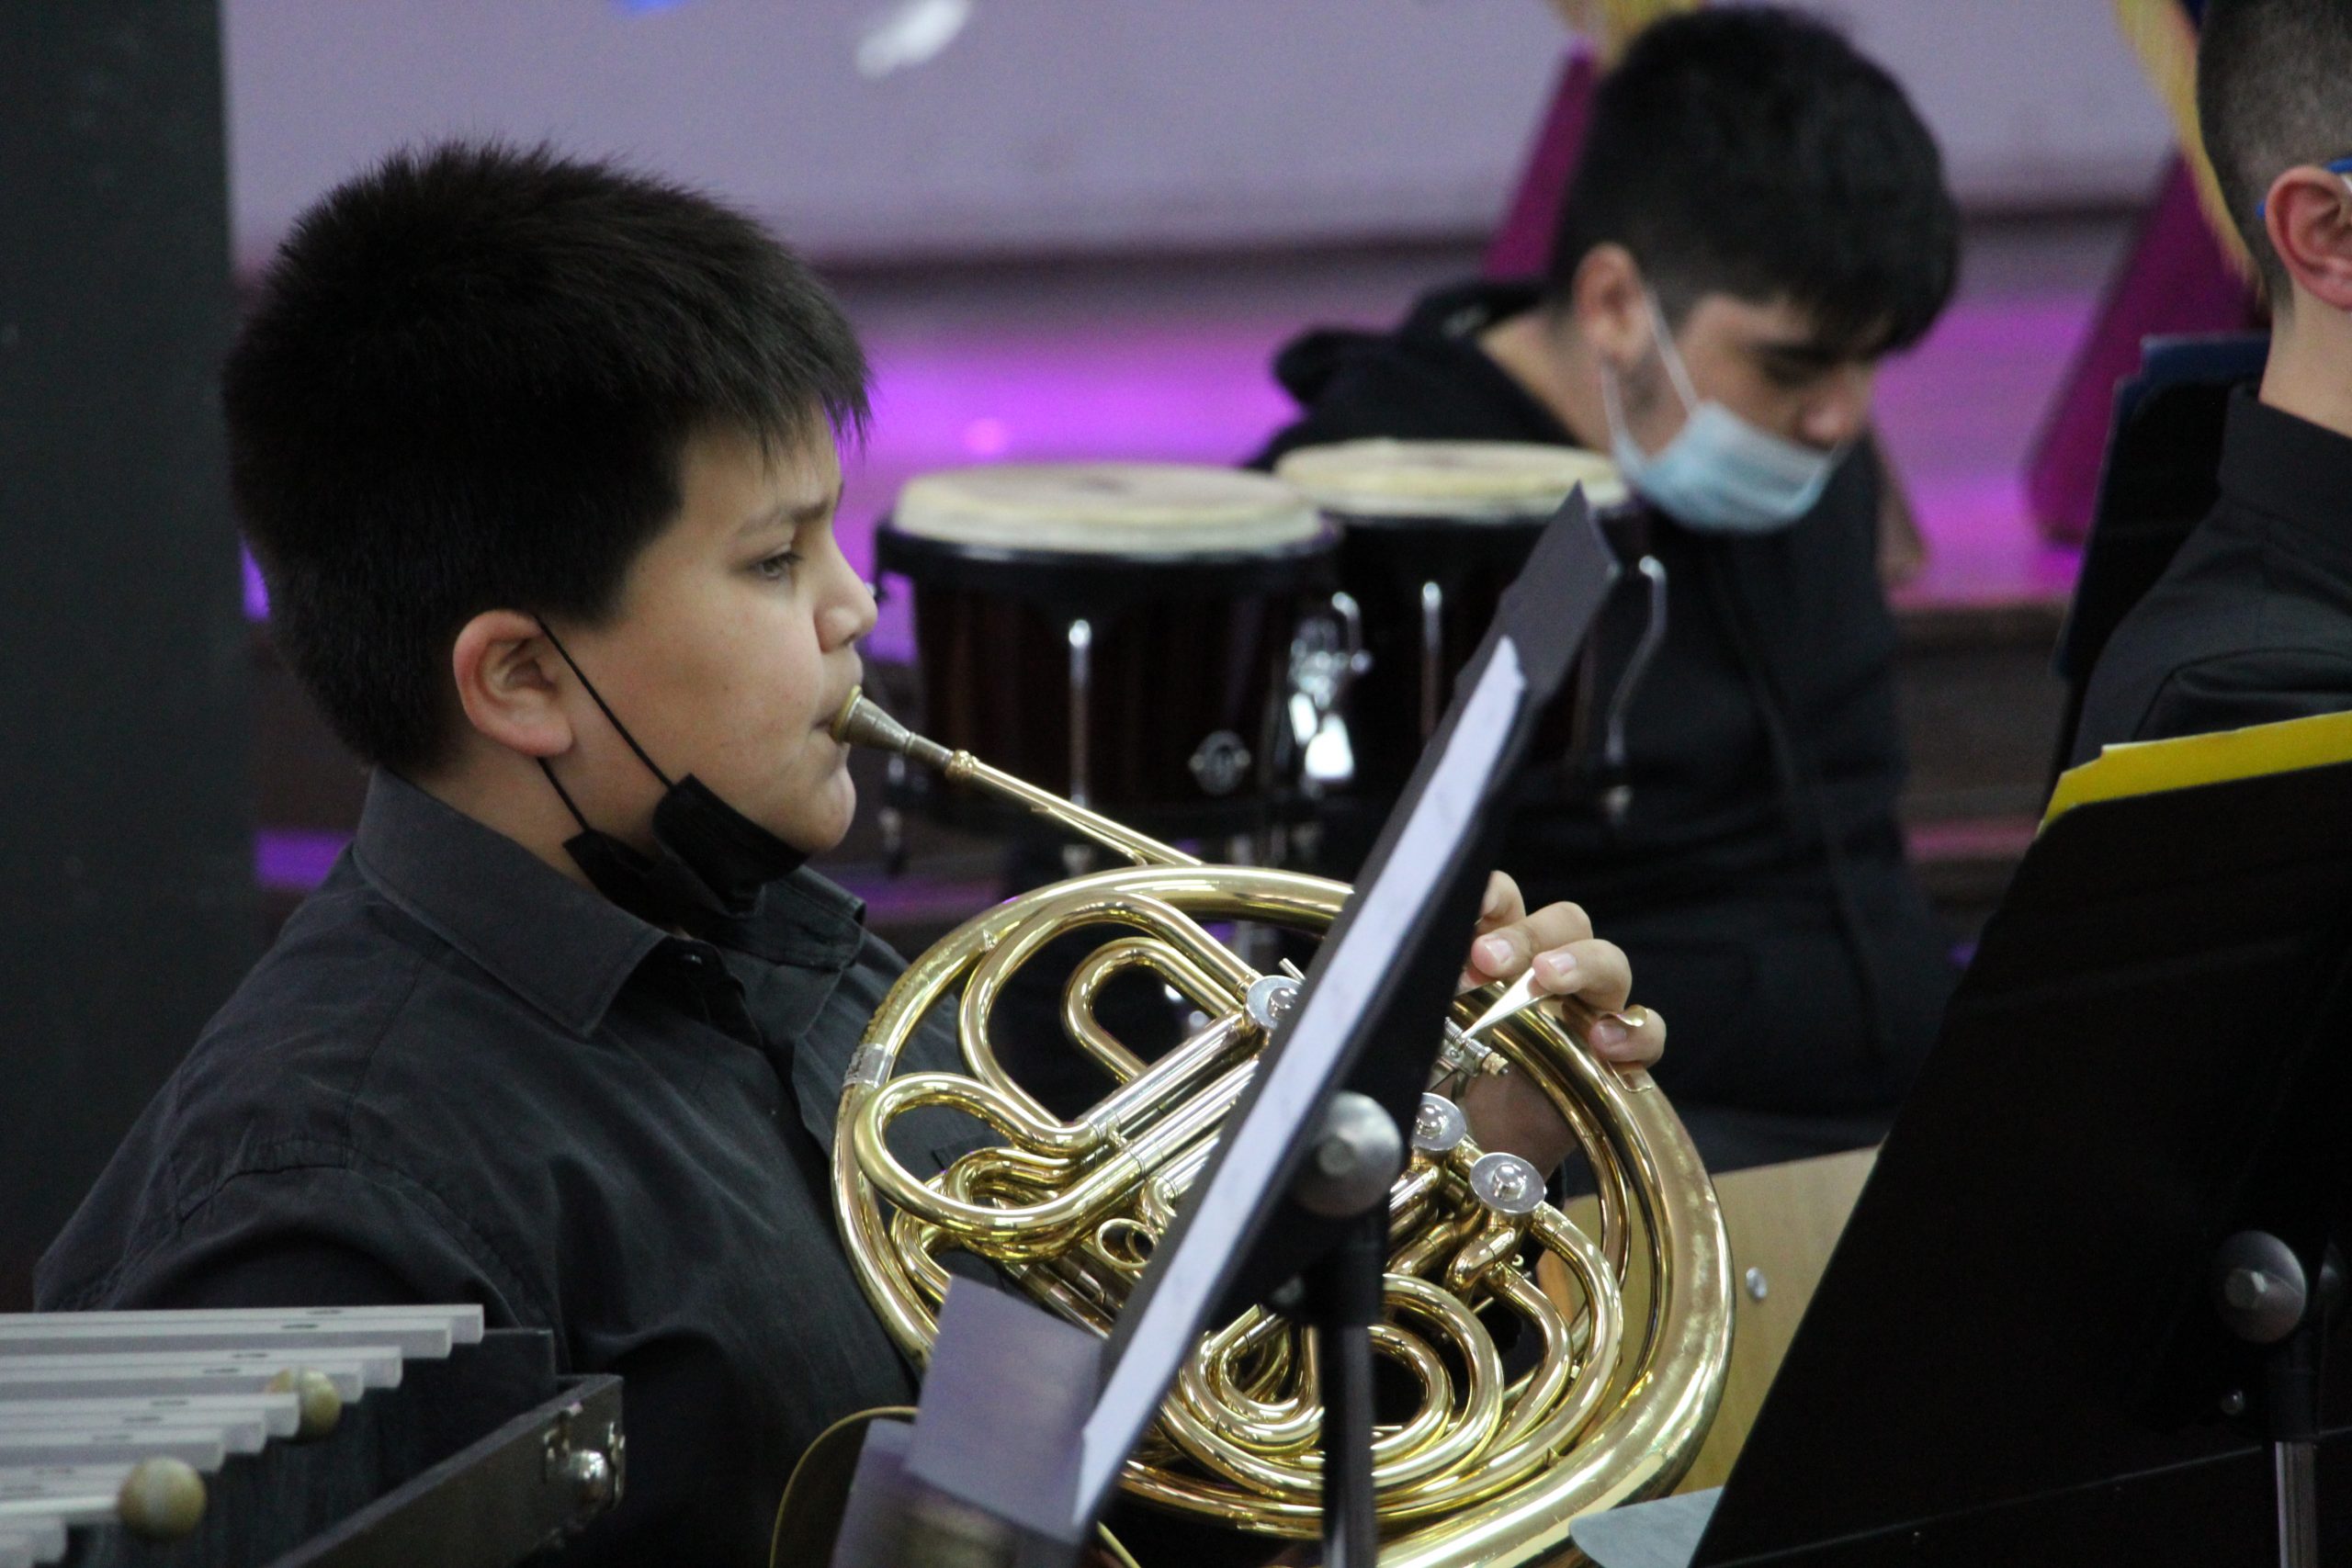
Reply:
x=1719, y=474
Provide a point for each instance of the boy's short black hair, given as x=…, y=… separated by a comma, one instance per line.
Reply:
x=2274, y=89
x=468, y=384
x=1747, y=150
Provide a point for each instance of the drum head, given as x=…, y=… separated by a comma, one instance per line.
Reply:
x=1159, y=510
x=1467, y=481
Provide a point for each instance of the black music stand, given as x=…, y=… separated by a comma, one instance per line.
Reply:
x=2020, y=1350
x=1026, y=1421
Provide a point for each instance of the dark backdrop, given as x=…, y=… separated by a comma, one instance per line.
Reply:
x=126, y=843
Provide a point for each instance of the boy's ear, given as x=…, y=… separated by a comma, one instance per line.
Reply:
x=507, y=683
x=1610, y=308
x=2308, y=219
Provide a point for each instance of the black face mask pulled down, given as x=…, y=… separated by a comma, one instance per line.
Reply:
x=710, y=863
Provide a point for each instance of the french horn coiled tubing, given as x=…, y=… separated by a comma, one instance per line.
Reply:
x=1490, y=1468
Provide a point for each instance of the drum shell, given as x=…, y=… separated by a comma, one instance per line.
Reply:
x=1383, y=564
x=1182, y=648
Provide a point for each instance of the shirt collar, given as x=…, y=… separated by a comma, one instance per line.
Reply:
x=564, y=948
x=2297, y=474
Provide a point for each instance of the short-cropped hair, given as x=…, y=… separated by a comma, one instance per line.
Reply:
x=2274, y=89
x=468, y=383
x=1747, y=150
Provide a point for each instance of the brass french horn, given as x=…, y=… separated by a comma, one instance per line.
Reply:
x=1490, y=1468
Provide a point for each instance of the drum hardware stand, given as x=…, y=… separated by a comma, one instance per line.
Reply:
x=1219, y=763
x=1433, y=654
x=1079, y=859
x=2263, y=1296
x=1320, y=675
x=892, y=818
x=1617, y=796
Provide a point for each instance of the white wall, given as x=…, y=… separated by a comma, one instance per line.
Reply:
x=1088, y=123
x=2036, y=102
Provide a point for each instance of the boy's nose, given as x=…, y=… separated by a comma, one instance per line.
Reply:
x=853, y=615
x=1839, y=415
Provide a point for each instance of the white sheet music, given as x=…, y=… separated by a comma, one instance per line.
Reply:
x=1253, y=1150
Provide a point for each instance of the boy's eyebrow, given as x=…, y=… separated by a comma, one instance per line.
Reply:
x=793, y=516
x=1805, y=352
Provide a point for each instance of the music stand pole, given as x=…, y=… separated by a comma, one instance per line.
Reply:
x=1356, y=1157
x=1351, y=1278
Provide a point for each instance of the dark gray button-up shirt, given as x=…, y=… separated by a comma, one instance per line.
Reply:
x=459, y=1076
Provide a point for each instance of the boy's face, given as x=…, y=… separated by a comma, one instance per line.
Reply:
x=735, y=643
x=1766, y=364
x=1763, y=362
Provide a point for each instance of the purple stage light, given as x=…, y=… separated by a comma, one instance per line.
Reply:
x=289, y=860
x=256, y=591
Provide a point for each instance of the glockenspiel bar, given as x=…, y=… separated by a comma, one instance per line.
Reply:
x=64, y=1507
x=41, y=1503
x=32, y=1545
x=464, y=1323
x=35, y=1504
x=242, y=1431
x=45, y=1479
x=66, y=1334
x=43, y=1519
x=203, y=1448
x=33, y=1542
x=351, y=1368
x=280, y=1413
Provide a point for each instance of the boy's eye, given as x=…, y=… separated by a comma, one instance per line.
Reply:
x=777, y=567
x=1790, y=375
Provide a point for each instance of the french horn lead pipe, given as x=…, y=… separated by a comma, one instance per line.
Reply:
x=862, y=722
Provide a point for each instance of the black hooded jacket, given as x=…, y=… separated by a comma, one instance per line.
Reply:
x=1756, y=875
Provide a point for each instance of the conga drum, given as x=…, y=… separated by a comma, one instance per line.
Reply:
x=1119, y=633
x=1432, y=532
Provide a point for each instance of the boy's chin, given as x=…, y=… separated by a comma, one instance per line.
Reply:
x=826, y=819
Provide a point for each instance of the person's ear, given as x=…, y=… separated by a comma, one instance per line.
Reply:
x=2308, y=218
x=508, y=685
x=1609, y=302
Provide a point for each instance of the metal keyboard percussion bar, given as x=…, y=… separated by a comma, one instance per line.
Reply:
x=140, y=1438
x=351, y=1369
x=416, y=1336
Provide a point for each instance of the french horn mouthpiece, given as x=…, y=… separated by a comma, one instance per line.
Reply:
x=862, y=722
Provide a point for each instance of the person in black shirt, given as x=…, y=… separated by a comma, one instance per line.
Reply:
x=539, y=461
x=2252, y=622
x=1758, y=217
